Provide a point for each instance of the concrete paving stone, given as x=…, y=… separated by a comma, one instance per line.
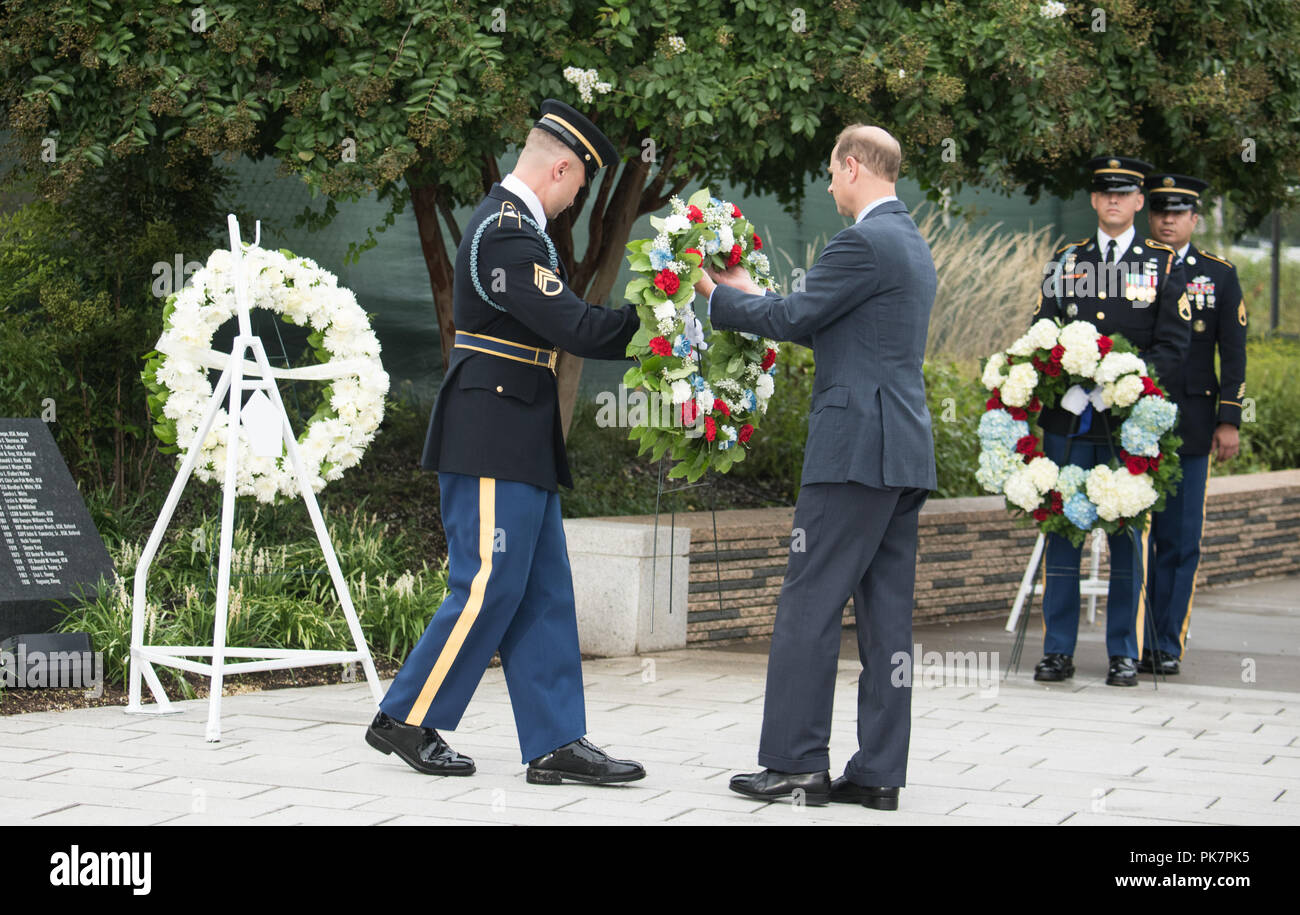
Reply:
x=209, y=787
x=94, y=815
x=1115, y=819
x=21, y=755
x=1265, y=808
x=1253, y=787
x=22, y=809
x=605, y=807
x=313, y=797
x=207, y=819
x=100, y=761
x=435, y=821
x=1010, y=815
x=99, y=778
x=1153, y=801
x=303, y=815
x=518, y=793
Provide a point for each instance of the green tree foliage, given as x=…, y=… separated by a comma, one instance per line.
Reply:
x=418, y=100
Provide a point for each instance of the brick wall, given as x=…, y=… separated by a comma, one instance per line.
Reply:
x=971, y=554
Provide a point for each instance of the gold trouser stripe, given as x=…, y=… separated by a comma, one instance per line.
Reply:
x=1142, y=592
x=1042, y=604
x=1187, y=617
x=487, y=497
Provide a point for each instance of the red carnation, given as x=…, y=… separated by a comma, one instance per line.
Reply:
x=1033, y=454
x=696, y=252
x=1052, y=369
x=735, y=211
x=1027, y=444
x=1010, y=361
x=1154, y=463
x=1135, y=464
x=1040, y=514
x=1149, y=387
x=710, y=428
x=660, y=346
x=668, y=282
x=1058, y=352
x=690, y=410
x=1105, y=344
x=769, y=358
x=720, y=406
x=1038, y=363
x=745, y=432
x=1018, y=413
x=1058, y=504
x=995, y=401
x=758, y=242
x=1034, y=405
x=693, y=213
x=734, y=259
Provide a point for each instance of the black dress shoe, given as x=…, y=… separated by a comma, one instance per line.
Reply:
x=1123, y=671
x=844, y=791
x=584, y=762
x=1157, y=662
x=422, y=748
x=1055, y=667
x=770, y=784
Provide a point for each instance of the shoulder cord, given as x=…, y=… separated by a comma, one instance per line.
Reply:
x=473, y=256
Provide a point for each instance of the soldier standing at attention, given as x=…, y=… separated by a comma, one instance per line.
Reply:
x=1120, y=284
x=496, y=440
x=1218, y=318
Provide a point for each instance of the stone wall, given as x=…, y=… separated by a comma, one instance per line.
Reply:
x=971, y=554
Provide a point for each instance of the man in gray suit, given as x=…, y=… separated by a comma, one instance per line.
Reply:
x=868, y=467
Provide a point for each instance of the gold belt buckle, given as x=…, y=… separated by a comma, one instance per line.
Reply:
x=550, y=362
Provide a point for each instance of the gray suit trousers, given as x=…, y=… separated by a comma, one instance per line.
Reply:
x=861, y=541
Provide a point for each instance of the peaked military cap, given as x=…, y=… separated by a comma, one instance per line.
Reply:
x=1175, y=192
x=1118, y=173
x=593, y=148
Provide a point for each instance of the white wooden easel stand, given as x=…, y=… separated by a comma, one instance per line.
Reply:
x=143, y=656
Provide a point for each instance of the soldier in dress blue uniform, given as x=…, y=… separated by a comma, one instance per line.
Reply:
x=496, y=440
x=1121, y=284
x=1218, y=318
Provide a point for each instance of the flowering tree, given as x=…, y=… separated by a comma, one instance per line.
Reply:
x=417, y=101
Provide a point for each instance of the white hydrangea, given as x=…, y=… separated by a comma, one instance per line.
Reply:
x=1020, y=384
x=1081, y=354
x=763, y=387
x=1021, y=491
x=665, y=311
x=1118, y=493
x=681, y=391
x=1043, y=334
x=1113, y=365
x=993, y=376
x=1043, y=472
x=1123, y=393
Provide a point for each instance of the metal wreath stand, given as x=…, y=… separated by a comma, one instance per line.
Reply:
x=234, y=383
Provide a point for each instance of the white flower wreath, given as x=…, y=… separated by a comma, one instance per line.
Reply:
x=303, y=293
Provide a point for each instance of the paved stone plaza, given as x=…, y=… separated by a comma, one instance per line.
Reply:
x=985, y=751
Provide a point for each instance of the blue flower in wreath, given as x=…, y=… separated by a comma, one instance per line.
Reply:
x=1080, y=512
x=1150, y=418
x=998, y=428
x=748, y=400
x=681, y=346
x=660, y=258
x=697, y=382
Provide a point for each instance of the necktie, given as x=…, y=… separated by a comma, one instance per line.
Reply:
x=1110, y=251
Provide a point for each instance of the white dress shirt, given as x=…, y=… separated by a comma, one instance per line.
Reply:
x=872, y=205
x=525, y=193
x=1122, y=242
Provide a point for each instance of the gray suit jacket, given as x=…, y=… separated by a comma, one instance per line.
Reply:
x=865, y=311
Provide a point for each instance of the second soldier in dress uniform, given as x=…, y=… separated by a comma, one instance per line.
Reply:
x=1207, y=427
x=1124, y=284
x=496, y=440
